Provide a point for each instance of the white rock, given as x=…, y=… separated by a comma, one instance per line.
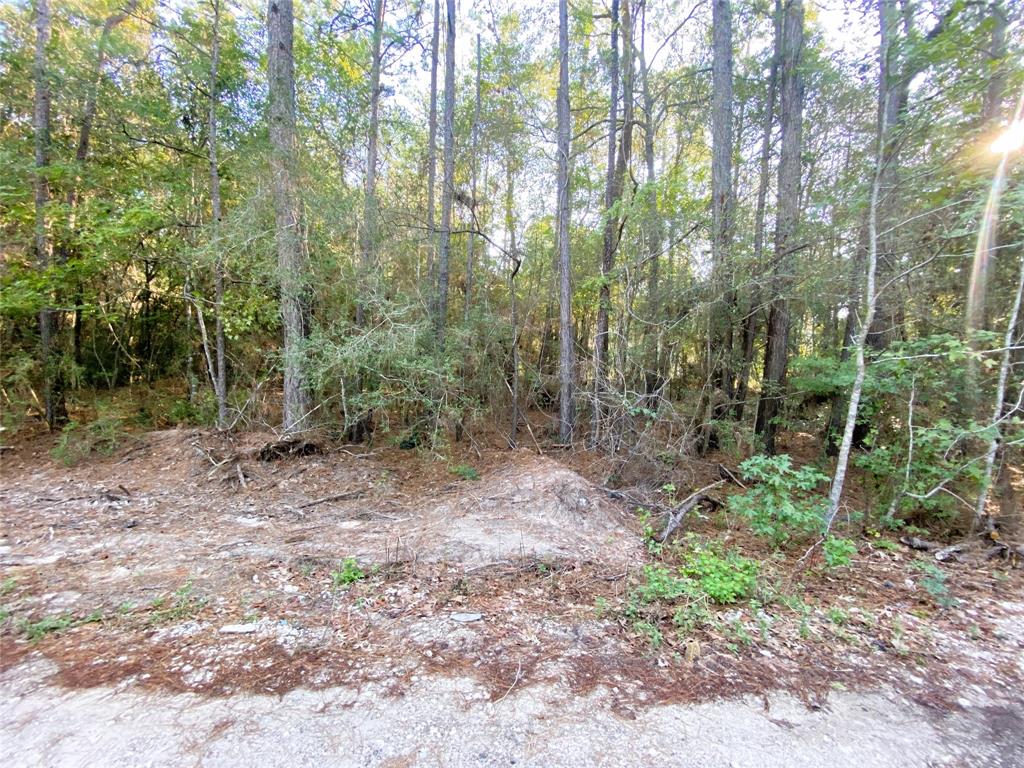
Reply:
x=239, y=629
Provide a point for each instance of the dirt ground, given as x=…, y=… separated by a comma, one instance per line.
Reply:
x=187, y=600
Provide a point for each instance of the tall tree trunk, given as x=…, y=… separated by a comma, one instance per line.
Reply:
x=448, y=180
x=754, y=308
x=220, y=385
x=995, y=54
x=612, y=191
x=510, y=229
x=566, y=353
x=432, y=161
x=614, y=178
x=368, y=234
x=53, y=391
x=291, y=256
x=471, y=240
x=787, y=215
x=861, y=342
x=652, y=374
x=721, y=195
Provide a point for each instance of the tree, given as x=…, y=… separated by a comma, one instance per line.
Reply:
x=471, y=240
x=859, y=348
x=368, y=234
x=432, y=157
x=291, y=256
x=786, y=220
x=53, y=388
x=220, y=384
x=721, y=192
x=448, y=173
x=750, y=319
x=566, y=351
x=612, y=193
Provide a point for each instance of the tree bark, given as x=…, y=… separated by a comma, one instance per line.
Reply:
x=291, y=256
x=754, y=309
x=653, y=375
x=566, y=356
x=220, y=384
x=996, y=89
x=471, y=240
x=53, y=392
x=614, y=178
x=510, y=229
x=432, y=160
x=787, y=216
x=838, y=479
x=448, y=180
x=721, y=194
x=368, y=234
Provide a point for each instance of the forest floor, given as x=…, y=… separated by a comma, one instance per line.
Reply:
x=187, y=600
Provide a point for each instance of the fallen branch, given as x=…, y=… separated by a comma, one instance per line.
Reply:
x=336, y=497
x=675, y=519
x=919, y=544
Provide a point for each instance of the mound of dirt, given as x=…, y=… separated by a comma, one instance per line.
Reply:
x=531, y=507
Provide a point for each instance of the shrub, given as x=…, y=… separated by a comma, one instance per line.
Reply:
x=838, y=551
x=723, y=578
x=933, y=579
x=348, y=573
x=465, y=471
x=77, y=441
x=661, y=584
x=783, y=504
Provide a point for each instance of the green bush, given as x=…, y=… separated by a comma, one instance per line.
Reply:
x=348, y=573
x=783, y=505
x=838, y=552
x=723, y=578
x=465, y=471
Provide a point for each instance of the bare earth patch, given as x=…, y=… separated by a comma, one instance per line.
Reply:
x=187, y=601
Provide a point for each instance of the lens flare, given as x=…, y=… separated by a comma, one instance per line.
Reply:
x=1010, y=140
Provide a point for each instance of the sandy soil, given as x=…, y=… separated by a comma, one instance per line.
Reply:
x=185, y=602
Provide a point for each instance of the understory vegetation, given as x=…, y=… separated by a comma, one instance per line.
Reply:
x=783, y=237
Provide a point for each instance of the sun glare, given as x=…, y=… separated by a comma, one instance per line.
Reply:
x=1011, y=139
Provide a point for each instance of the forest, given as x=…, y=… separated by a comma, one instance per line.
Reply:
x=667, y=229
x=491, y=381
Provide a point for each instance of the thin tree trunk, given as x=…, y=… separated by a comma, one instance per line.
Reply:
x=566, y=355
x=614, y=178
x=721, y=193
x=470, y=241
x=754, y=309
x=368, y=234
x=432, y=159
x=53, y=391
x=510, y=228
x=995, y=54
x=986, y=240
x=220, y=384
x=291, y=257
x=653, y=379
x=448, y=181
x=787, y=215
x=838, y=479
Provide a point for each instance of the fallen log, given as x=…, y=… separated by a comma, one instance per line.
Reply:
x=675, y=518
